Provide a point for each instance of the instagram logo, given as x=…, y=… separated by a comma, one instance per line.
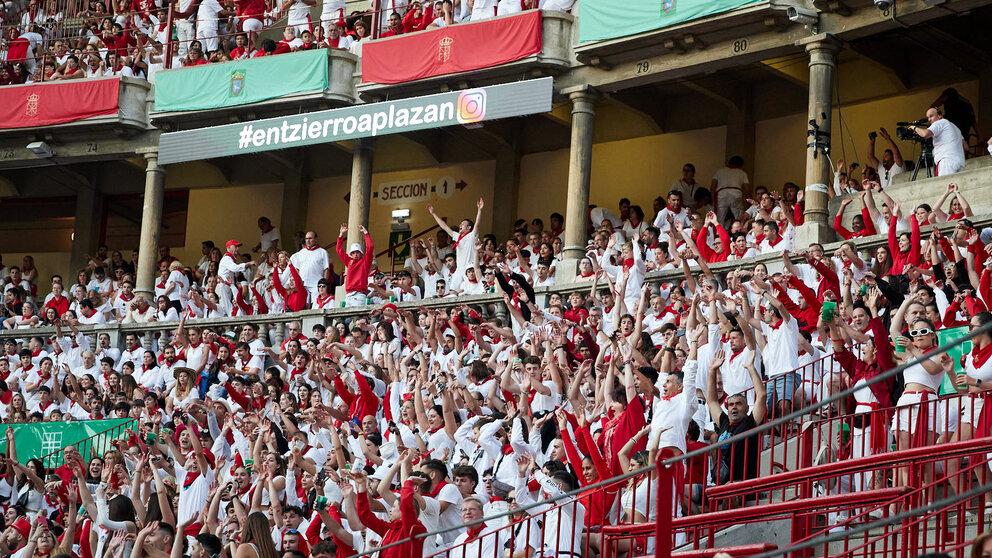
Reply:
x=471, y=106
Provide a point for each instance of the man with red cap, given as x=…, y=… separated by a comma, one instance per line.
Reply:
x=227, y=270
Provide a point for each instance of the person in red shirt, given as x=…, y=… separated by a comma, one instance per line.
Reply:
x=403, y=521
x=268, y=49
x=861, y=226
x=194, y=57
x=357, y=265
x=395, y=26
x=58, y=301
x=241, y=50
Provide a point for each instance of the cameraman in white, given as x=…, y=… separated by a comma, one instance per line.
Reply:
x=948, y=143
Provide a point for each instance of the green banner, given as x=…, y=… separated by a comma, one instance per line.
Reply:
x=211, y=86
x=609, y=19
x=945, y=336
x=47, y=439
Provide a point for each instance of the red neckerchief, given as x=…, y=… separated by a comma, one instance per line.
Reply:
x=676, y=211
x=145, y=368
x=460, y=237
x=43, y=407
x=980, y=356
x=740, y=254
x=230, y=255
x=590, y=274
x=759, y=239
x=776, y=325
x=36, y=354
x=437, y=489
x=190, y=479
x=668, y=397
x=311, y=249
x=628, y=263
x=473, y=532
x=735, y=355
x=160, y=286
x=322, y=299
x=125, y=298
x=775, y=242
x=507, y=449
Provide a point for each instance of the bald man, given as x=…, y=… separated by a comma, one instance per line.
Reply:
x=313, y=263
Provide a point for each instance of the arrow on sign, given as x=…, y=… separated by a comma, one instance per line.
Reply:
x=460, y=185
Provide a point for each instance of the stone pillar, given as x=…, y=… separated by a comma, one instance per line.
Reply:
x=151, y=224
x=361, y=189
x=507, y=190
x=579, y=174
x=822, y=52
x=86, y=226
x=984, y=107
x=293, y=221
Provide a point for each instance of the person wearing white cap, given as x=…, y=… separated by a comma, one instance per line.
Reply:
x=226, y=271
x=357, y=263
x=313, y=263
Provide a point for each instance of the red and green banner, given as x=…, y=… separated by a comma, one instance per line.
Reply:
x=57, y=102
x=459, y=48
x=241, y=82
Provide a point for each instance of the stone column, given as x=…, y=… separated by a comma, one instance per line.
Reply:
x=507, y=191
x=151, y=224
x=361, y=189
x=86, y=226
x=822, y=52
x=579, y=173
x=293, y=221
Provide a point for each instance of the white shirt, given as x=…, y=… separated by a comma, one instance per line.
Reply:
x=311, y=264
x=681, y=219
x=728, y=178
x=267, y=238
x=947, y=141
x=227, y=268
x=781, y=352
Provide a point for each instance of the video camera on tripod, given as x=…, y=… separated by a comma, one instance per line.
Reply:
x=926, y=146
x=905, y=134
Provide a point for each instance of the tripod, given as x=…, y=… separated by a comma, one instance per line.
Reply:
x=926, y=159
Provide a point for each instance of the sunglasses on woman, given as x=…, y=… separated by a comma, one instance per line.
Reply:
x=919, y=332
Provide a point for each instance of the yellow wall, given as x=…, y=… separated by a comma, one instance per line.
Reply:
x=48, y=264
x=640, y=169
x=223, y=214
x=328, y=208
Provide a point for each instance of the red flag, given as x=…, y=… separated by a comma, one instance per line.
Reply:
x=24, y=106
x=459, y=48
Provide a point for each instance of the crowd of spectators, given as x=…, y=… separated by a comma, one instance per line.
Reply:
x=46, y=40
x=404, y=419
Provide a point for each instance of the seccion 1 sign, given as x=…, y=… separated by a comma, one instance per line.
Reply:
x=404, y=191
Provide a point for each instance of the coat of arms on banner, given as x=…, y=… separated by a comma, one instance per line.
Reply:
x=444, y=49
x=31, y=108
x=668, y=6
x=237, y=82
